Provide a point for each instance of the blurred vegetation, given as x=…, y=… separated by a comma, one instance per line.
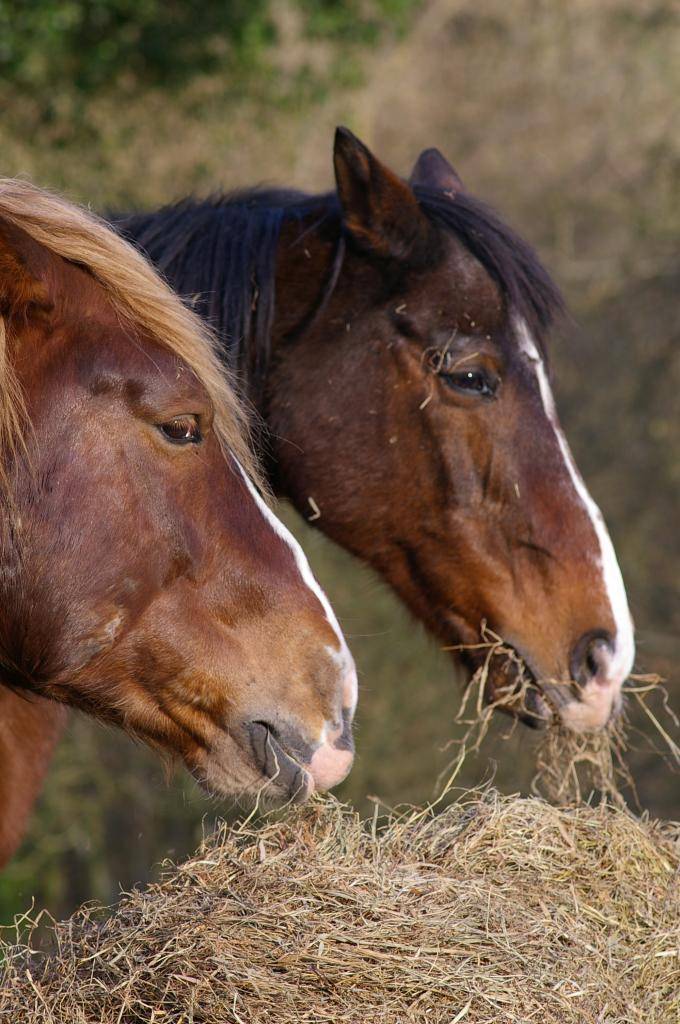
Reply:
x=564, y=115
x=71, y=50
x=94, y=44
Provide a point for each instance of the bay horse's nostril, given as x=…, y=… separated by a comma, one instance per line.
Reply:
x=591, y=657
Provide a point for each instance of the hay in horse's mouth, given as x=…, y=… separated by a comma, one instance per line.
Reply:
x=502, y=680
x=569, y=765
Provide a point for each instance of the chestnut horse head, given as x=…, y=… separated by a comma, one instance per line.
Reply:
x=394, y=335
x=143, y=577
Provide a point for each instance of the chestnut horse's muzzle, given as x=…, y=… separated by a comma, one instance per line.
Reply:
x=276, y=764
x=297, y=767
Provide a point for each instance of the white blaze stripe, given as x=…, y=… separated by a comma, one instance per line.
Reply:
x=624, y=653
x=345, y=658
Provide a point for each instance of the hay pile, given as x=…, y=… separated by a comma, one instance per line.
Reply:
x=497, y=909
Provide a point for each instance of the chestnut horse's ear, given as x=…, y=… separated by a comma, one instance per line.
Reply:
x=380, y=209
x=434, y=170
x=23, y=271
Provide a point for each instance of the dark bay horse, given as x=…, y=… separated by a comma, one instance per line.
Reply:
x=143, y=578
x=392, y=336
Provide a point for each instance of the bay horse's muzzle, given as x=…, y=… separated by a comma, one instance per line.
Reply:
x=585, y=698
x=591, y=698
x=599, y=673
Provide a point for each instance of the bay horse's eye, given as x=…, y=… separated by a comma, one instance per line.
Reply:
x=476, y=381
x=182, y=430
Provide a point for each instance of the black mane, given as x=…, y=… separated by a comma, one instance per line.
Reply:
x=220, y=255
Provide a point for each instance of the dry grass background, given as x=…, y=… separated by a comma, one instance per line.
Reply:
x=496, y=910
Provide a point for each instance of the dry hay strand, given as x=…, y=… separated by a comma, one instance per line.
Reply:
x=495, y=910
x=570, y=767
x=573, y=766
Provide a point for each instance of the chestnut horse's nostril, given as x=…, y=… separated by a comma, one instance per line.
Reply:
x=346, y=738
x=591, y=657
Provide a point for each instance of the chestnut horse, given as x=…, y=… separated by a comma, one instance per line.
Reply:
x=143, y=579
x=393, y=338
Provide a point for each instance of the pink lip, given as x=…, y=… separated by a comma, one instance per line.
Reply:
x=329, y=766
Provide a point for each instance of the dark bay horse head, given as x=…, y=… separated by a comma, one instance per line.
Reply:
x=143, y=577
x=393, y=335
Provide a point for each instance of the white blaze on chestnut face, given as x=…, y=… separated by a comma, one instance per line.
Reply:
x=341, y=655
x=624, y=644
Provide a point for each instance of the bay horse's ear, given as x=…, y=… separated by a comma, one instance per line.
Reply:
x=434, y=170
x=380, y=210
x=24, y=269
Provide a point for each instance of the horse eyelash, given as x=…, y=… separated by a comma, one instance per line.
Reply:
x=437, y=359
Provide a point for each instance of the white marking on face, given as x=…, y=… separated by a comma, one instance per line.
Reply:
x=624, y=652
x=342, y=656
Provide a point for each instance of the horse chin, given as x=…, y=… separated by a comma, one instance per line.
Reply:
x=536, y=713
x=531, y=707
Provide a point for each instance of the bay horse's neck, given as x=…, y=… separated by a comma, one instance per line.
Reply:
x=321, y=283
x=309, y=259
x=289, y=290
x=257, y=265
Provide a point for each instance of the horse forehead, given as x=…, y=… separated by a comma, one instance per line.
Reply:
x=95, y=336
x=105, y=350
x=458, y=288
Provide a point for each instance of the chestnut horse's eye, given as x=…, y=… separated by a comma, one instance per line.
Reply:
x=476, y=381
x=182, y=430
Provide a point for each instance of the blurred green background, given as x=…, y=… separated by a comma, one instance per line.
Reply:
x=562, y=114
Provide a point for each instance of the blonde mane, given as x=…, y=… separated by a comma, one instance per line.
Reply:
x=139, y=295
